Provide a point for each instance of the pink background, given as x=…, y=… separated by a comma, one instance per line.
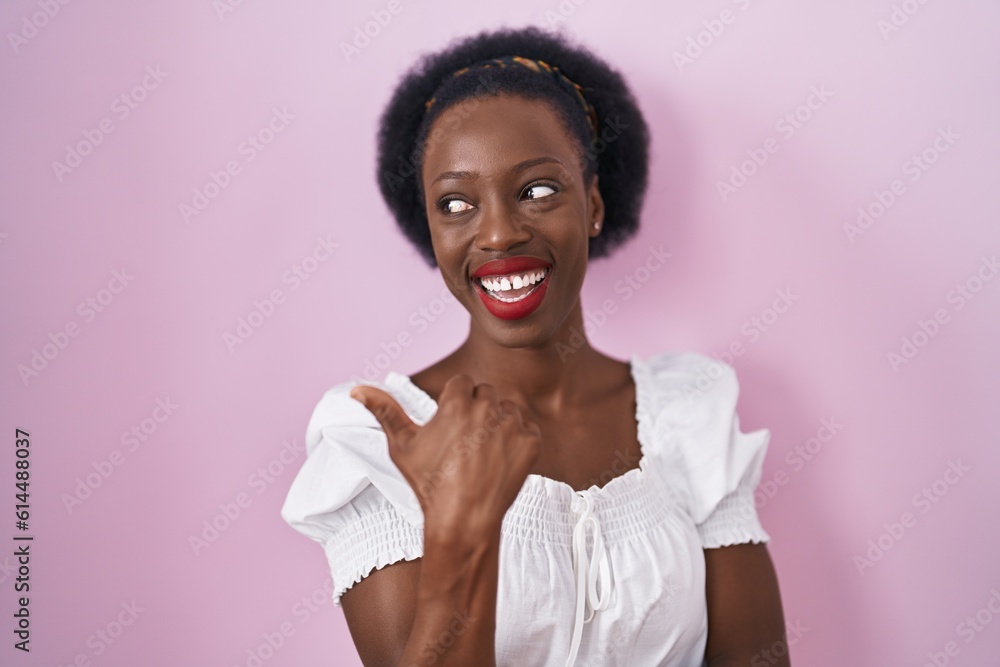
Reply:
x=162, y=336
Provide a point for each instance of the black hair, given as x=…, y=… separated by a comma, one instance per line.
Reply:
x=619, y=155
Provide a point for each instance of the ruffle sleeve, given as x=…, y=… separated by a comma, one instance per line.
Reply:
x=715, y=464
x=349, y=496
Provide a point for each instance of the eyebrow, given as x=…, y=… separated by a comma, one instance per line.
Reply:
x=518, y=168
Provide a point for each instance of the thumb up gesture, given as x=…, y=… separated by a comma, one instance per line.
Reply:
x=469, y=462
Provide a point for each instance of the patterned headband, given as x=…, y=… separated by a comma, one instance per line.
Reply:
x=541, y=67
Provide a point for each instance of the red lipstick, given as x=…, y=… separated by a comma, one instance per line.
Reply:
x=529, y=301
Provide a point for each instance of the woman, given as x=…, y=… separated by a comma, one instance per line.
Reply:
x=528, y=500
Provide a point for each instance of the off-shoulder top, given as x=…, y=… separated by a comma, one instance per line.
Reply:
x=611, y=575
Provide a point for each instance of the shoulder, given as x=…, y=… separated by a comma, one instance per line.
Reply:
x=696, y=428
x=687, y=365
x=347, y=452
x=337, y=411
x=690, y=387
x=335, y=407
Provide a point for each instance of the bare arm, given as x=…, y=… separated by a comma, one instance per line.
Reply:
x=455, y=623
x=437, y=610
x=379, y=610
x=441, y=609
x=746, y=623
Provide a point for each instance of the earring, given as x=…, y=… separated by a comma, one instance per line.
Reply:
x=597, y=225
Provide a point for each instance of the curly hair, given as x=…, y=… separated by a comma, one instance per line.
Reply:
x=618, y=155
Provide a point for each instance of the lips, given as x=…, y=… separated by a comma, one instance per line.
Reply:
x=528, y=302
x=504, y=267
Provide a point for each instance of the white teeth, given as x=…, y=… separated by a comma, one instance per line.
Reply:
x=513, y=281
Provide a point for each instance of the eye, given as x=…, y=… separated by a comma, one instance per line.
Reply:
x=539, y=191
x=454, y=206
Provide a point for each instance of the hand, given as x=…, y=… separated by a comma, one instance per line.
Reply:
x=469, y=462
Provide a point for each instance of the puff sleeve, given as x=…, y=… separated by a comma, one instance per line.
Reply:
x=720, y=464
x=349, y=496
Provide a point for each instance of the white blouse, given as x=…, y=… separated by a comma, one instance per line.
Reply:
x=612, y=575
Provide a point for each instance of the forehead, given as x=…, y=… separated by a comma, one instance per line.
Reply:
x=491, y=134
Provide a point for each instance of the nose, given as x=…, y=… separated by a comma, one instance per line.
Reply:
x=501, y=228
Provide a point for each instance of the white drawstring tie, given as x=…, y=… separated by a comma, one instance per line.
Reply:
x=587, y=569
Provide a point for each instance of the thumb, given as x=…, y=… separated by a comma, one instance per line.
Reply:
x=395, y=422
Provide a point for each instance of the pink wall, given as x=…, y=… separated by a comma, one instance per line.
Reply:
x=198, y=83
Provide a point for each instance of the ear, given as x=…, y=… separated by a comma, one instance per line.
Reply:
x=595, y=208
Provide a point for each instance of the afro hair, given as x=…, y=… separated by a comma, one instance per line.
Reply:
x=619, y=155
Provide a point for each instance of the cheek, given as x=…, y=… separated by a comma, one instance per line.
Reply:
x=574, y=244
x=448, y=247
x=446, y=241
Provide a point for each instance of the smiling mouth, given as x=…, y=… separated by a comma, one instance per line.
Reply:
x=514, y=287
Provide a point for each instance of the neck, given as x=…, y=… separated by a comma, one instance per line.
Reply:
x=550, y=374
